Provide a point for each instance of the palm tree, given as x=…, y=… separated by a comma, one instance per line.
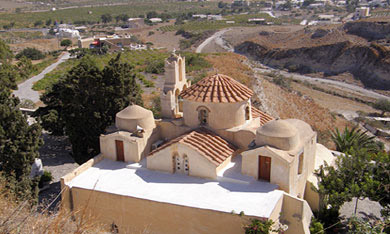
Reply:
x=354, y=138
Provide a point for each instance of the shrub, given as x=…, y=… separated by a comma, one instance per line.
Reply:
x=31, y=53
x=66, y=43
x=263, y=227
x=316, y=227
x=155, y=66
x=45, y=178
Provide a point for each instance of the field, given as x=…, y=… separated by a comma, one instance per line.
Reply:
x=16, y=37
x=144, y=61
x=239, y=20
x=92, y=14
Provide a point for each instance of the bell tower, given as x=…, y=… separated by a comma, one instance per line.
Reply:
x=175, y=82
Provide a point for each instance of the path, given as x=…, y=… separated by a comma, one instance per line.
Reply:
x=360, y=90
x=210, y=39
x=25, y=90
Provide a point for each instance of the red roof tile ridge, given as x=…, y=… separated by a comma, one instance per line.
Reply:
x=217, y=88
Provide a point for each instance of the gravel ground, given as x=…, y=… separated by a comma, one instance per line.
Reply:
x=55, y=155
x=365, y=209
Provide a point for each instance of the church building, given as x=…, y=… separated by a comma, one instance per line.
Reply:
x=210, y=165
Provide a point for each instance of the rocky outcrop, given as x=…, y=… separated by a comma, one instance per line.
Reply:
x=370, y=64
x=370, y=30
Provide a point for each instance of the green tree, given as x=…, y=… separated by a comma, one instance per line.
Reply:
x=25, y=68
x=31, y=53
x=5, y=52
x=84, y=103
x=354, y=138
x=349, y=178
x=382, y=105
x=19, y=144
x=106, y=18
x=66, y=43
x=380, y=183
x=48, y=22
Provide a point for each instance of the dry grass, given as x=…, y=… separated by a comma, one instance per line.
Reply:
x=289, y=104
x=21, y=217
x=232, y=65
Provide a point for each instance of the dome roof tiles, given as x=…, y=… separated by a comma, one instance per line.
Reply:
x=134, y=112
x=217, y=88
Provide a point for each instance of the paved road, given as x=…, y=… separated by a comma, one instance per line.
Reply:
x=210, y=39
x=25, y=90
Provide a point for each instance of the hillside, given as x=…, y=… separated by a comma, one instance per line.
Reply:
x=332, y=50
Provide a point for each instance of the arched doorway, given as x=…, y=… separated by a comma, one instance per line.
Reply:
x=177, y=109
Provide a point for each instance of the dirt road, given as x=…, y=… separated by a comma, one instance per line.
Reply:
x=25, y=90
x=215, y=36
x=338, y=84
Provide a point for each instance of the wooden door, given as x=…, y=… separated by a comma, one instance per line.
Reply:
x=120, y=155
x=264, y=168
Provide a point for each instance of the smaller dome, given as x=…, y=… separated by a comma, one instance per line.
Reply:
x=132, y=116
x=133, y=112
x=279, y=134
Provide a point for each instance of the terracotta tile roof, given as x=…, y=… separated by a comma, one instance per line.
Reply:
x=264, y=118
x=217, y=88
x=211, y=146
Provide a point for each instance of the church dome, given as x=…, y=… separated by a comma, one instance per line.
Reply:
x=217, y=89
x=279, y=134
x=132, y=116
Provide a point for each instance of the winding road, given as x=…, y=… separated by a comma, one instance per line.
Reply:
x=215, y=36
x=25, y=90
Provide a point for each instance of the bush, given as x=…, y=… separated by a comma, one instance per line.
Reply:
x=66, y=43
x=45, y=178
x=316, y=227
x=155, y=67
x=31, y=53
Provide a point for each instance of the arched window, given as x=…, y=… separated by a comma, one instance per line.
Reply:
x=247, y=112
x=203, y=116
x=180, y=70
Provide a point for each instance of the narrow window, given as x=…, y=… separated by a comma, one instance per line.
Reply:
x=180, y=70
x=300, y=163
x=247, y=112
x=186, y=165
x=202, y=115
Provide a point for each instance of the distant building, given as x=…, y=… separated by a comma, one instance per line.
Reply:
x=67, y=31
x=257, y=20
x=155, y=20
x=199, y=16
x=361, y=12
x=135, y=22
x=214, y=17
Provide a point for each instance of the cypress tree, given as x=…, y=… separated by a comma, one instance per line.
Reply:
x=19, y=144
x=84, y=103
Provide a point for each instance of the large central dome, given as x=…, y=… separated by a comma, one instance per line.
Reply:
x=217, y=88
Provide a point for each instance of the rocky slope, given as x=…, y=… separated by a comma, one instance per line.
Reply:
x=368, y=62
x=370, y=30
